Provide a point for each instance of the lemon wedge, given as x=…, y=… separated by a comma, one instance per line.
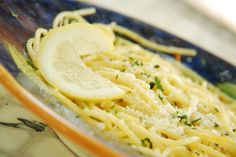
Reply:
x=60, y=63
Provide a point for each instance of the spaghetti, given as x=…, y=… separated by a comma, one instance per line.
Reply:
x=168, y=110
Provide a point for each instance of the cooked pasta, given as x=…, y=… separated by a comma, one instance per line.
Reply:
x=167, y=110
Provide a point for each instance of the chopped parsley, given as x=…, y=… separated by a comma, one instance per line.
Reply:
x=131, y=58
x=146, y=142
x=14, y=14
x=151, y=84
x=186, y=121
x=226, y=133
x=216, y=109
x=160, y=97
x=216, y=144
x=112, y=107
x=146, y=74
x=157, y=66
x=141, y=119
x=182, y=117
x=31, y=64
x=197, y=153
x=158, y=83
x=234, y=130
x=175, y=104
x=216, y=125
x=196, y=120
x=137, y=63
x=117, y=75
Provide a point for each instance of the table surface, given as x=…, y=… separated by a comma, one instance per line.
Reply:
x=180, y=19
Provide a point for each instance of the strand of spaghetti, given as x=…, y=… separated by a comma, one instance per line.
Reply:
x=150, y=44
x=168, y=142
x=31, y=52
x=72, y=15
x=228, y=144
x=226, y=121
x=177, y=96
x=151, y=152
x=126, y=80
x=112, y=64
x=179, y=151
x=40, y=32
x=197, y=78
x=117, y=122
x=169, y=133
x=85, y=12
x=139, y=104
x=208, y=150
x=127, y=118
x=33, y=43
x=134, y=113
x=67, y=102
x=98, y=116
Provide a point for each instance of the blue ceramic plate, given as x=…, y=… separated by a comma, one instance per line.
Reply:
x=19, y=20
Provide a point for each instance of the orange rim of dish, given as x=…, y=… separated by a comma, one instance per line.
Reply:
x=53, y=119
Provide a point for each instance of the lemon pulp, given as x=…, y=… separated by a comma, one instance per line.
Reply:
x=60, y=63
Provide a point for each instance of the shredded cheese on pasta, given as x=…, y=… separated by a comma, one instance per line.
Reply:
x=166, y=112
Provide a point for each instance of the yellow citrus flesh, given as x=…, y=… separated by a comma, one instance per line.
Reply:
x=60, y=63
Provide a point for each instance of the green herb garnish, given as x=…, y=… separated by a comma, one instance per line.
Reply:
x=146, y=142
x=117, y=75
x=226, y=133
x=146, y=74
x=182, y=117
x=196, y=120
x=136, y=63
x=131, y=58
x=228, y=88
x=160, y=97
x=157, y=66
x=216, y=125
x=187, y=123
x=197, y=153
x=158, y=83
x=216, y=109
x=151, y=84
x=14, y=14
x=31, y=64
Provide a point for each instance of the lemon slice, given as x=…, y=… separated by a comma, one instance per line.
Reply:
x=60, y=63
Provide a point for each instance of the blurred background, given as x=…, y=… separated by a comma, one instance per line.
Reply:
x=210, y=24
